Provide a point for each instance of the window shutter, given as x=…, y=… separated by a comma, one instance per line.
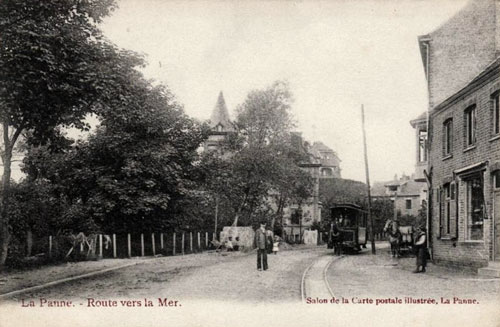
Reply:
x=439, y=196
x=453, y=210
x=451, y=136
x=443, y=141
x=474, y=131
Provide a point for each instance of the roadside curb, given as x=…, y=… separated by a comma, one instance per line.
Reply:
x=68, y=279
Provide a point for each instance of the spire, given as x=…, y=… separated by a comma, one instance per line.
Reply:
x=220, y=116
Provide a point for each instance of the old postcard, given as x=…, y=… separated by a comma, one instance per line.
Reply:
x=250, y=163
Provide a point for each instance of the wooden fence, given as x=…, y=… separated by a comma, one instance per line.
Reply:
x=134, y=245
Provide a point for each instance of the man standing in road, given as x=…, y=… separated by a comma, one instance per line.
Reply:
x=421, y=248
x=261, y=243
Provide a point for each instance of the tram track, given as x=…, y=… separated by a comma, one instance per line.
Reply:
x=314, y=283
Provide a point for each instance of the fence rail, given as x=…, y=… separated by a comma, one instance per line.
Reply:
x=127, y=245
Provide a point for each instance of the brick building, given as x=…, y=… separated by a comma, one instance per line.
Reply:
x=462, y=65
x=405, y=192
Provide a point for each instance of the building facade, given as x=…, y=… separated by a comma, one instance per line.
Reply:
x=462, y=65
x=420, y=126
x=329, y=160
x=407, y=194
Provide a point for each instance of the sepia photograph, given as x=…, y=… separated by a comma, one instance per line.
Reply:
x=249, y=163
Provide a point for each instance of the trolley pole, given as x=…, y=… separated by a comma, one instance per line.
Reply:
x=370, y=218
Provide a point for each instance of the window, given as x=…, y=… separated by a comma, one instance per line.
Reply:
x=470, y=126
x=447, y=210
x=408, y=204
x=475, y=207
x=447, y=137
x=326, y=172
x=496, y=180
x=296, y=216
x=496, y=113
x=422, y=139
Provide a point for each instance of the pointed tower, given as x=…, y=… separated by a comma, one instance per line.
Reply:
x=220, y=125
x=219, y=120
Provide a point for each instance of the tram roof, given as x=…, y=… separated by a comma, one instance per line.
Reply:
x=347, y=206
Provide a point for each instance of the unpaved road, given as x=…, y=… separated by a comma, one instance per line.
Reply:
x=223, y=277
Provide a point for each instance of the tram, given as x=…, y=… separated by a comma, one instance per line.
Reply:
x=350, y=220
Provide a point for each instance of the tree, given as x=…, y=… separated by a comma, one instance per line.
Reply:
x=137, y=169
x=55, y=68
x=261, y=174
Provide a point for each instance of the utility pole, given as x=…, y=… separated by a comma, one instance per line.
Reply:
x=216, y=214
x=370, y=218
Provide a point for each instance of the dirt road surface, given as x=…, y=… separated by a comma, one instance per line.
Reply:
x=225, y=277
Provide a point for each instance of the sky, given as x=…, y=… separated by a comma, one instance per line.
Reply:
x=336, y=56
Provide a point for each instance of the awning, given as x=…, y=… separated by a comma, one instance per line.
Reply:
x=471, y=169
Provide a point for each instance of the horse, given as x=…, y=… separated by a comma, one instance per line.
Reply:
x=395, y=238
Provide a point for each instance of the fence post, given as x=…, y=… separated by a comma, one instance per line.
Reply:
x=182, y=244
x=161, y=241
x=142, y=244
x=100, y=245
x=129, y=245
x=50, y=246
x=114, y=245
x=199, y=243
x=206, y=240
x=81, y=247
x=173, y=241
x=213, y=236
x=191, y=242
x=153, y=243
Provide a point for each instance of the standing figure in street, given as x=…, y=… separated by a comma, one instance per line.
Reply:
x=335, y=239
x=421, y=247
x=269, y=234
x=261, y=243
x=276, y=244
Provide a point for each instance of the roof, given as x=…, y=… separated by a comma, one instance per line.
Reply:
x=327, y=156
x=220, y=115
x=421, y=118
x=407, y=187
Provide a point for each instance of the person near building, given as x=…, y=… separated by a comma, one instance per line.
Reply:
x=421, y=250
x=261, y=243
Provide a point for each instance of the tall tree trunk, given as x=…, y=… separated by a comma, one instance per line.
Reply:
x=5, y=196
x=5, y=192
x=240, y=209
x=279, y=211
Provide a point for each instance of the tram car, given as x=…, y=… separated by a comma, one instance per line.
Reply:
x=350, y=220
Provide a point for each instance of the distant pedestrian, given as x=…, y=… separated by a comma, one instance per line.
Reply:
x=262, y=243
x=276, y=244
x=335, y=239
x=270, y=241
x=421, y=249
